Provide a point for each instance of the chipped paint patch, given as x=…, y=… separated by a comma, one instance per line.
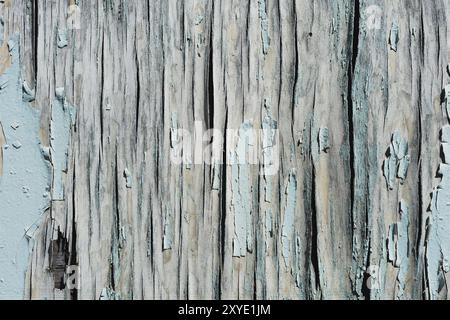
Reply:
x=438, y=230
x=324, y=136
x=109, y=294
x=199, y=19
x=445, y=134
x=269, y=151
x=241, y=194
x=447, y=100
x=128, y=178
x=296, y=270
x=28, y=94
x=62, y=38
x=394, y=37
x=168, y=229
x=398, y=251
x=262, y=10
x=27, y=176
x=174, y=138
x=63, y=119
x=397, y=163
x=216, y=177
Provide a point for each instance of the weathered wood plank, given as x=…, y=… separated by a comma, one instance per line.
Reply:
x=353, y=90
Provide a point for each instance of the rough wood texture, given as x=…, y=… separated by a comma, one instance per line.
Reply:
x=354, y=88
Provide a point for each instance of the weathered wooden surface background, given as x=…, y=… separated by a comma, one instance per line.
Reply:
x=358, y=209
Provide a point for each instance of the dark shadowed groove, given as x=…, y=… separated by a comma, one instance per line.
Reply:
x=223, y=211
x=314, y=234
x=354, y=50
x=73, y=258
x=35, y=36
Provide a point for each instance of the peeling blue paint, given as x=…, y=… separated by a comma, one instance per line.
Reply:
x=394, y=37
x=109, y=294
x=174, y=139
x=268, y=189
x=63, y=118
x=445, y=134
x=28, y=93
x=403, y=168
x=264, y=25
x=241, y=194
x=216, y=177
x=438, y=230
x=269, y=149
x=11, y=46
x=62, y=38
x=397, y=163
x=296, y=270
x=199, y=19
x=398, y=247
x=402, y=249
x=3, y=84
x=128, y=178
x=446, y=153
x=24, y=167
x=391, y=242
x=168, y=229
x=324, y=144
x=447, y=99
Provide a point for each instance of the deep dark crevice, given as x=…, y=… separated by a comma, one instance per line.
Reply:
x=150, y=246
x=421, y=205
x=35, y=35
x=116, y=230
x=138, y=93
x=314, y=234
x=353, y=50
x=59, y=258
x=257, y=231
x=209, y=120
x=355, y=34
x=223, y=211
x=418, y=244
x=365, y=290
x=351, y=68
x=297, y=66
x=73, y=251
x=308, y=196
x=102, y=84
x=209, y=113
x=255, y=273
